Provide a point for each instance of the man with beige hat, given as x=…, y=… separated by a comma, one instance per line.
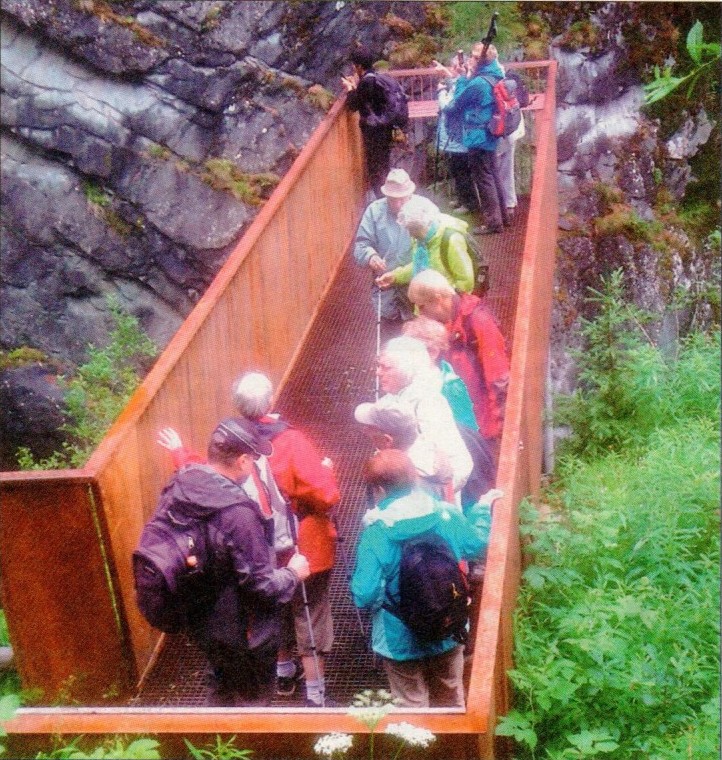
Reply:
x=383, y=244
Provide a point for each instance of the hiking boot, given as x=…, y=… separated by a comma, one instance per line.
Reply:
x=286, y=686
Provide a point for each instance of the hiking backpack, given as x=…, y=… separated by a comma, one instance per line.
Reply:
x=170, y=566
x=392, y=106
x=483, y=472
x=507, y=111
x=478, y=259
x=522, y=91
x=433, y=592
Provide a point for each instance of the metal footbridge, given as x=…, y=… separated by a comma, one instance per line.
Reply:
x=291, y=302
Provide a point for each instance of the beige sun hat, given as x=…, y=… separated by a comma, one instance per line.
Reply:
x=398, y=184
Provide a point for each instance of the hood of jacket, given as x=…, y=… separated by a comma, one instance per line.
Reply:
x=199, y=491
x=407, y=514
x=446, y=222
x=493, y=68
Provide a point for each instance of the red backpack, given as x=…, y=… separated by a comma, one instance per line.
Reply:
x=507, y=111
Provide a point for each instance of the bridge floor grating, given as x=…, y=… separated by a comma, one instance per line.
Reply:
x=335, y=372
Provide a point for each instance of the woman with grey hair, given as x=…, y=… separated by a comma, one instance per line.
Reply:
x=438, y=242
x=406, y=373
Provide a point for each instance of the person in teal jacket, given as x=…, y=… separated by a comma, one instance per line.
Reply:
x=427, y=227
x=420, y=674
x=474, y=101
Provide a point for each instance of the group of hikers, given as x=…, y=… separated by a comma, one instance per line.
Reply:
x=240, y=550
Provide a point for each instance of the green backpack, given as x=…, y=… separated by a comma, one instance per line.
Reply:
x=478, y=259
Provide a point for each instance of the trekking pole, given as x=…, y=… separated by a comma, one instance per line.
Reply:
x=438, y=147
x=312, y=638
x=378, y=338
x=490, y=35
x=347, y=573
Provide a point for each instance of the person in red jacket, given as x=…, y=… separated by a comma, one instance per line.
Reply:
x=309, y=483
x=477, y=350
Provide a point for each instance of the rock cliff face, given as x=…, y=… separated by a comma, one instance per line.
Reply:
x=139, y=138
x=617, y=174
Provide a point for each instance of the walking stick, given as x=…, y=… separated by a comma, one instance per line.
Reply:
x=378, y=338
x=490, y=35
x=312, y=638
x=436, y=154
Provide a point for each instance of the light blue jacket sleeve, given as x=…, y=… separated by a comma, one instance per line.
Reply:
x=364, y=245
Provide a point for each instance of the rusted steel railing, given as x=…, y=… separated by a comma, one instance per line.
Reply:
x=75, y=628
x=118, y=488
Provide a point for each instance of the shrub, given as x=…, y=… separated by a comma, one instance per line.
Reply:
x=617, y=627
x=99, y=391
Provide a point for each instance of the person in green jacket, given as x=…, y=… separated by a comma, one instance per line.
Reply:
x=427, y=227
x=419, y=674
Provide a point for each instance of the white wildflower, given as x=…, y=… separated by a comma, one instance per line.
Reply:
x=330, y=744
x=411, y=735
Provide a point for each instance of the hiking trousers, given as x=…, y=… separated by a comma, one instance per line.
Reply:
x=485, y=174
x=431, y=682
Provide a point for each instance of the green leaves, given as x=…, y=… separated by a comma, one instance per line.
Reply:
x=703, y=55
x=695, y=43
x=617, y=626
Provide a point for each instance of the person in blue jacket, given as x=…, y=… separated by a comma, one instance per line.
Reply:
x=474, y=101
x=419, y=674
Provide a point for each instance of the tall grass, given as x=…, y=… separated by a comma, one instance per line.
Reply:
x=617, y=629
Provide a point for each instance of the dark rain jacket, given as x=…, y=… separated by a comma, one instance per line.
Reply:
x=247, y=587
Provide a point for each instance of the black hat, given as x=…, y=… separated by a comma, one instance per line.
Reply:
x=238, y=435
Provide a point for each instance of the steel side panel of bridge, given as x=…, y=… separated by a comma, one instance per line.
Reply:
x=109, y=501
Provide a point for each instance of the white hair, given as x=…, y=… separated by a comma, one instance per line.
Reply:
x=408, y=355
x=416, y=211
x=252, y=394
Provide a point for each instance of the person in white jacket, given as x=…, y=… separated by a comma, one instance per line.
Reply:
x=405, y=371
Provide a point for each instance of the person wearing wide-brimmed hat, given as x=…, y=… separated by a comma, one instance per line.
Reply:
x=383, y=244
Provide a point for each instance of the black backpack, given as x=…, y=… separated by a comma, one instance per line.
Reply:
x=433, y=592
x=522, y=91
x=483, y=473
x=390, y=107
x=478, y=259
x=171, y=566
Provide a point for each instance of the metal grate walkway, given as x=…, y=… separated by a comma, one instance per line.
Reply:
x=335, y=372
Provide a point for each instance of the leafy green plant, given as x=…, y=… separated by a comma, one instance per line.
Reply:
x=221, y=750
x=616, y=375
x=617, y=626
x=99, y=390
x=705, y=57
x=8, y=707
x=116, y=748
